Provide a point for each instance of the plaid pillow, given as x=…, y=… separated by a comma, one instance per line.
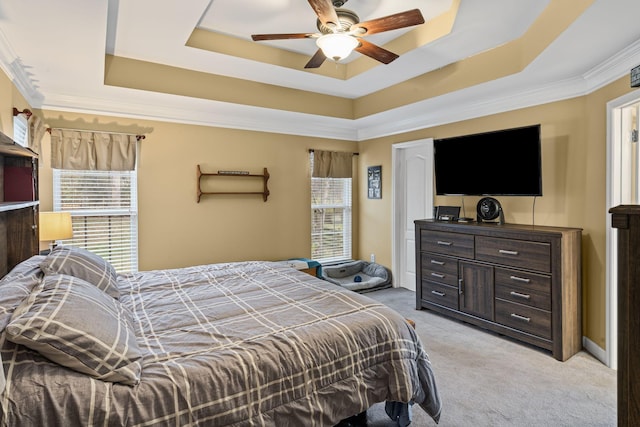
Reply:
x=80, y=263
x=17, y=285
x=75, y=324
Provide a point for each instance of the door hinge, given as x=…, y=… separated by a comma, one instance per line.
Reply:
x=634, y=135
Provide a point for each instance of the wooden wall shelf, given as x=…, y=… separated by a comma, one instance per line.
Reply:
x=231, y=174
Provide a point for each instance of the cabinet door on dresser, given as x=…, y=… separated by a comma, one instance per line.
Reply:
x=476, y=292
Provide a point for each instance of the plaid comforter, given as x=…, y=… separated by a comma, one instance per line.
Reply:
x=235, y=344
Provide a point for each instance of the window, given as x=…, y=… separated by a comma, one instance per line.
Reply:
x=330, y=218
x=21, y=130
x=104, y=213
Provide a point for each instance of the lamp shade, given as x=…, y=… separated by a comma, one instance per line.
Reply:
x=55, y=226
x=337, y=46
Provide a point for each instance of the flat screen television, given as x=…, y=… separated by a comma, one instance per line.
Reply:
x=500, y=163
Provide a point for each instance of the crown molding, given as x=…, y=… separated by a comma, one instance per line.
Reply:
x=16, y=71
x=178, y=109
x=481, y=100
x=614, y=67
x=477, y=101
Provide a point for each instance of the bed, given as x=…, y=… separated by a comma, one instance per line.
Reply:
x=235, y=344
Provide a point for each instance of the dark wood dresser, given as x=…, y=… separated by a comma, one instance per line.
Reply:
x=626, y=218
x=522, y=281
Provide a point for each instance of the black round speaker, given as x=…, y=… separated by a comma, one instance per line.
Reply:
x=489, y=209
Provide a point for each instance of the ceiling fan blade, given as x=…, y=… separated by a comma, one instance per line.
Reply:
x=259, y=37
x=375, y=52
x=316, y=60
x=326, y=12
x=391, y=22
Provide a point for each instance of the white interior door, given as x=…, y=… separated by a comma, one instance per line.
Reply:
x=623, y=187
x=413, y=199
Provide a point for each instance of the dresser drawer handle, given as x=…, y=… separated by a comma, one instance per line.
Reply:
x=443, y=243
x=517, y=316
x=433, y=261
x=440, y=294
x=519, y=295
x=520, y=279
x=438, y=275
x=506, y=252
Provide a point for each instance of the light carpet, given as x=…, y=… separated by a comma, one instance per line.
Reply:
x=486, y=379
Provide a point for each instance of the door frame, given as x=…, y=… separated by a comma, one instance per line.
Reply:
x=615, y=175
x=397, y=200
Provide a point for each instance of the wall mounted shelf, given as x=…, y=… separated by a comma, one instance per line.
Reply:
x=234, y=175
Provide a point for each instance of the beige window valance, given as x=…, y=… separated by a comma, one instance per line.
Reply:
x=332, y=164
x=36, y=132
x=86, y=150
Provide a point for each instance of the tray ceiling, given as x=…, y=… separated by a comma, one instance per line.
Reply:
x=194, y=62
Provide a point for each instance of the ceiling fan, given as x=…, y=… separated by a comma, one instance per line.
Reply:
x=341, y=32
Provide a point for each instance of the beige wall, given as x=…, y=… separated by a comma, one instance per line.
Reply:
x=9, y=97
x=574, y=185
x=176, y=231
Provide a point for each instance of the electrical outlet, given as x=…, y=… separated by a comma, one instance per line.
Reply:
x=373, y=257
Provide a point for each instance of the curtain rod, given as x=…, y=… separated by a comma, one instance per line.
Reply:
x=26, y=112
x=138, y=137
x=311, y=150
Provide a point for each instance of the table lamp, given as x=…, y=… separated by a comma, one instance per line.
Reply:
x=55, y=226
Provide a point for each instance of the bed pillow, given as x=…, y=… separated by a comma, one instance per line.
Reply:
x=17, y=285
x=80, y=263
x=75, y=324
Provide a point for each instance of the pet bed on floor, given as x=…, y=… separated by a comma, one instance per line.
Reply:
x=358, y=276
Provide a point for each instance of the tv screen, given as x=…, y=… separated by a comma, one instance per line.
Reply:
x=500, y=163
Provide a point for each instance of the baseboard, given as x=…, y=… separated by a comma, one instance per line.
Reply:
x=595, y=350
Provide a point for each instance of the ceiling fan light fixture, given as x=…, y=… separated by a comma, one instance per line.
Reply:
x=337, y=46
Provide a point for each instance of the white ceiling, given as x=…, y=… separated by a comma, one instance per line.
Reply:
x=55, y=54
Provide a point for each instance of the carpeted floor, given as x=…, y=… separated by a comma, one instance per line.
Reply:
x=486, y=379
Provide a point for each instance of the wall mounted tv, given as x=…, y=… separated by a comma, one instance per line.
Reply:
x=500, y=163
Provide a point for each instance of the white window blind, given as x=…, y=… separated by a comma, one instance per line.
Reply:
x=104, y=213
x=21, y=130
x=330, y=219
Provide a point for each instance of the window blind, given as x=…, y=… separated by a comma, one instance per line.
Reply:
x=21, y=130
x=330, y=218
x=103, y=206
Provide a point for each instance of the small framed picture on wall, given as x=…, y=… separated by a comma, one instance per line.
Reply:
x=374, y=182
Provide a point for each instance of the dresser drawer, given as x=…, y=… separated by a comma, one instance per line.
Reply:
x=440, y=269
x=455, y=244
x=524, y=318
x=515, y=253
x=450, y=279
x=524, y=288
x=439, y=263
x=440, y=294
